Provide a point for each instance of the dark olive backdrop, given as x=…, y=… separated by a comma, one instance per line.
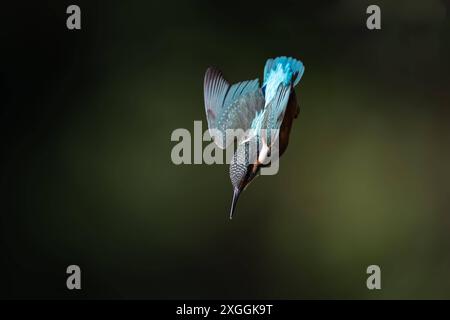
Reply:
x=87, y=179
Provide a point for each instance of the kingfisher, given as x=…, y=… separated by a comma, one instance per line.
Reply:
x=264, y=114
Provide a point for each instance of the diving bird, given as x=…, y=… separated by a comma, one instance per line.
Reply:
x=263, y=113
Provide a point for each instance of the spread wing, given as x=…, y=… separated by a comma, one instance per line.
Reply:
x=230, y=106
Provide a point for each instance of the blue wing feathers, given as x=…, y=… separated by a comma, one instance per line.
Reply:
x=239, y=89
x=215, y=90
x=219, y=95
x=281, y=74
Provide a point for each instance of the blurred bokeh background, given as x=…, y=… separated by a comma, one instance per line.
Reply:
x=87, y=178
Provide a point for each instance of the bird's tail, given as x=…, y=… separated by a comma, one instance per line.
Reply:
x=294, y=68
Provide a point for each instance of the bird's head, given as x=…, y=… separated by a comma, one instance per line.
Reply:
x=243, y=169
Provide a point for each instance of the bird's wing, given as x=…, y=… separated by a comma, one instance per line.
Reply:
x=274, y=112
x=230, y=106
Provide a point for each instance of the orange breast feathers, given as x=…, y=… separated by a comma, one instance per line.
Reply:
x=291, y=113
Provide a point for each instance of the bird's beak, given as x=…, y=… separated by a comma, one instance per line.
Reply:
x=237, y=191
x=236, y=194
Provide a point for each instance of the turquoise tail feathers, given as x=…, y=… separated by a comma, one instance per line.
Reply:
x=292, y=69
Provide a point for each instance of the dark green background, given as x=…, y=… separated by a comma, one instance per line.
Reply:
x=87, y=179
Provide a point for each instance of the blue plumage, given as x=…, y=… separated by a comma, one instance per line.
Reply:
x=281, y=70
x=243, y=105
x=267, y=110
x=291, y=68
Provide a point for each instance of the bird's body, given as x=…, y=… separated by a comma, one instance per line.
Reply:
x=291, y=113
x=263, y=114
